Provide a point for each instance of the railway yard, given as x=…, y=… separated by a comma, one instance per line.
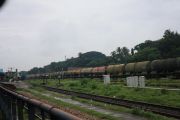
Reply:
x=68, y=97
x=90, y=60
x=148, y=90
x=132, y=91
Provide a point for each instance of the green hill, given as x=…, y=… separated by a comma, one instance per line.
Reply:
x=88, y=59
x=166, y=47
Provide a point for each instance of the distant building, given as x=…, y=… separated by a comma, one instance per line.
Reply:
x=1, y=70
x=1, y=74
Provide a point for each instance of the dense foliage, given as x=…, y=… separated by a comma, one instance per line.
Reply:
x=166, y=47
x=88, y=59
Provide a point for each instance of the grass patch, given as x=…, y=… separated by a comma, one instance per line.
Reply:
x=50, y=99
x=164, y=82
x=96, y=86
x=138, y=112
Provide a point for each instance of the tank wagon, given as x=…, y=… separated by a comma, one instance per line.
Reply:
x=77, y=73
x=155, y=68
x=98, y=71
x=130, y=69
x=178, y=64
x=142, y=68
x=86, y=72
x=116, y=70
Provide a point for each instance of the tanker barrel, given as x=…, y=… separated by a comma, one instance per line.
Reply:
x=129, y=68
x=144, y=66
x=178, y=63
x=116, y=69
x=158, y=65
x=170, y=64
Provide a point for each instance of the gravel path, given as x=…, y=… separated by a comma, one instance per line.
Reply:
x=19, y=84
x=124, y=116
x=121, y=115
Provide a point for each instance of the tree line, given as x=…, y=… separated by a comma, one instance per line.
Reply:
x=166, y=47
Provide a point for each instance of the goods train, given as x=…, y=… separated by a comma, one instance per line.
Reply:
x=149, y=69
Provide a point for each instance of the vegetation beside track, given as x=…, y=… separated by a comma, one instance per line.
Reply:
x=138, y=112
x=95, y=86
x=36, y=91
x=164, y=83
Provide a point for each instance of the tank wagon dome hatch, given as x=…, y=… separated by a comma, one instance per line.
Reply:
x=143, y=67
x=116, y=69
x=129, y=68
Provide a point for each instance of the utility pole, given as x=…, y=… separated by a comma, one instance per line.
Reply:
x=61, y=77
x=16, y=76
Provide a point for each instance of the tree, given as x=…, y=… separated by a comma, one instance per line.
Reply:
x=146, y=54
x=120, y=55
x=169, y=44
x=132, y=51
x=113, y=57
x=79, y=54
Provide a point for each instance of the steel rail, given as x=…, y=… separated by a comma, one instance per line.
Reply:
x=159, y=109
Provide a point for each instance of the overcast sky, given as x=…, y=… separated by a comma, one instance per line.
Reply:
x=37, y=32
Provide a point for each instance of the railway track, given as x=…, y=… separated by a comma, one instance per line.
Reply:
x=159, y=109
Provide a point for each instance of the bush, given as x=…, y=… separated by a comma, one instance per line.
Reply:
x=137, y=89
x=93, y=86
x=72, y=97
x=84, y=82
x=121, y=96
x=72, y=85
x=136, y=111
x=164, y=91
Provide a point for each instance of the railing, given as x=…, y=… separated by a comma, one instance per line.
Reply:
x=14, y=106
